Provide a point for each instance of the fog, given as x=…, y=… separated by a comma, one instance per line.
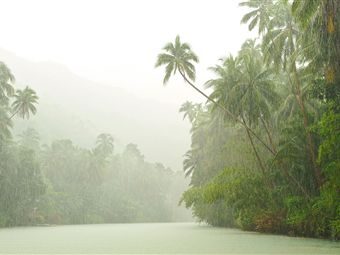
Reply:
x=182, y=116
x=92, y=67
x=115, y=43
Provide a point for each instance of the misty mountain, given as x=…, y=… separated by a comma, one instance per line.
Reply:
x=79, y=109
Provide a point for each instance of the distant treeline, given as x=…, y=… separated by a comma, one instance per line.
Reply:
x=265, y=152
x=64, y=184
x=61, y=183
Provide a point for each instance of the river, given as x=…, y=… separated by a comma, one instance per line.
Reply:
x=154, y=238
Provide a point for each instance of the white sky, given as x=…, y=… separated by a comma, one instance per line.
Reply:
x=116, y=42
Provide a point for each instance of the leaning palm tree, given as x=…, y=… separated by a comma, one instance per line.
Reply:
x=179, y=56
x=24, y=103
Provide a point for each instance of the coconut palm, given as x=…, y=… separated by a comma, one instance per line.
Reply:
x=6, y=91
x=246, y=86
x=260, y=16
x=190, y=111
x=320, y=24
x=254, y=92
x=6, y=80
x=282, y=48
x=24, y=103
x=190, y=163
x=5, y=124
x=227, y=74
x=254, y=95
x=104, y=144
x=179, y=56
x=281, y=43
x=290, y=108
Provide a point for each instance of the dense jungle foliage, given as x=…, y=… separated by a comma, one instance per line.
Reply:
x=265, y=146
x=265, y=151
x=61, y=183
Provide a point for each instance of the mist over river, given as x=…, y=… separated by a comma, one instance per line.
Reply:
x=154, y=238
x=170, y=127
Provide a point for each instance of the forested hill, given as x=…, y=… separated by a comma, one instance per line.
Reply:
x=73, y=107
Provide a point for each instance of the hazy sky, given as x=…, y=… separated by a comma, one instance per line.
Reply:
x=116, y=42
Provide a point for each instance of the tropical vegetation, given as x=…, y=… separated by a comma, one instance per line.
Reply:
x=265, y=145
x=61, y=183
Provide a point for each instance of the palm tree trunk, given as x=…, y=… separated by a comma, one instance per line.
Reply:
x=269, y=135
x=254, y=149
x=14, y=114
x=299, y=98
x=310, y=144
x=290, y=178
x=259, y=160
x=229, y=113
x=294, y=180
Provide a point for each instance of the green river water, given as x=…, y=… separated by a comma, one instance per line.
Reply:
x=154, y=238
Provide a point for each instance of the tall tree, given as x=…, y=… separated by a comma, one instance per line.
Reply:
x=24, y=103
x=282, y=46
x=179, y=56
x=246, y=86
x=6, y=91
x=189, y=111
x=260, y=14
x=104, y=144
x=5, y=124
x=6, y=81
x=320, y=23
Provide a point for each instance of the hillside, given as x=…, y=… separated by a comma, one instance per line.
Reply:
x=77, y=108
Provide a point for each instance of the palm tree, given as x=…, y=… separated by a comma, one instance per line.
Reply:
x=227, y=74
x=320, y=23
x=260, y=16
x=289, y=106
x=190, y=163
x=6, y=80
x=6, y=91
x=254, y=93
x=104, y=144
x=179, y=56
x=281, y=43
x=246, y=86
x=282, y=48
x=191, y=111
x=24, y=104
x=5, y=124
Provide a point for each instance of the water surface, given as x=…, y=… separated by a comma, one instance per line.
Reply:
x=154, y=238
